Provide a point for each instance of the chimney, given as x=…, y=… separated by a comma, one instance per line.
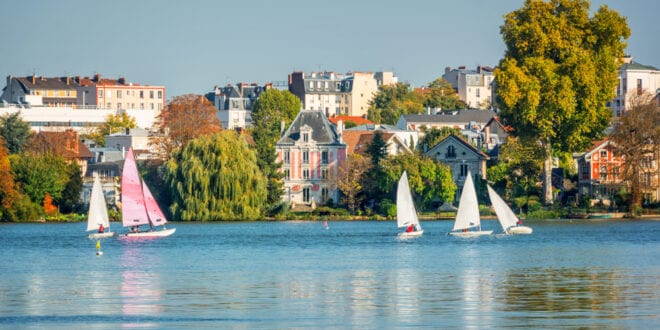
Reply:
x=67, y=80
x=34, y=79
x=97, y=78
x=340, y=130
x=121, y=80
x=282, y=126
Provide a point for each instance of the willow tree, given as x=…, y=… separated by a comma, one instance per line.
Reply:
x=559, y=70
x=215, y=177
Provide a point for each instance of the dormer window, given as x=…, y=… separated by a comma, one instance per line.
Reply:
x=451, y=152
x=305, y=137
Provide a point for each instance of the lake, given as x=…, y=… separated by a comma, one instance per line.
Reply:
x=356, y=274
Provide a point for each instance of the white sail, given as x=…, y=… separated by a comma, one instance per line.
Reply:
x=98, y=211
x=504, y=213
x=406, y=214
x=467, y=215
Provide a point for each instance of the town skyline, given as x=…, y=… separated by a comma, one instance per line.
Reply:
x=190, y=47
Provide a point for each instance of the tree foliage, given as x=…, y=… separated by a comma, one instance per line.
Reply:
x=15, y=132
x=350, y=178
x=441, y=94
x=185, y=117
x=433, y=136
x=215, y=177
x=637, y=138
x=559, y=70
x=114, y=123
x=272, y=108
x=70, y=198
x=9, y=195
x=377, y=149
x=37, y=175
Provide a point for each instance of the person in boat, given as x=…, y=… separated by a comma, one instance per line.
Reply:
x=465, y=230
x=101, y=229
x=134, y=229
x=410, y=228
x=519, y=222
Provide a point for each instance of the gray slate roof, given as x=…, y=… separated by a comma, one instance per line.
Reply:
x=323, y=131
x=637, y=66
x=463, y=116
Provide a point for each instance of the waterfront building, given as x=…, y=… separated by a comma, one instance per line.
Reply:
x=234, y=103
x=311, y=151
x=338, y=94
x=474, y=87
x=634, y=79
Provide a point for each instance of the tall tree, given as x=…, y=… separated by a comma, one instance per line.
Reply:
x=272, y=109
x=637, y=137
x=70, y=198
x=442, y=95
x=15, y=132
x=184, y=118
x=350, y=177
x=214, y=178
x=392, y=101
x=37, y=175
x=114, y=123
x=559, y=70
x=8, y=192
x=377, y=149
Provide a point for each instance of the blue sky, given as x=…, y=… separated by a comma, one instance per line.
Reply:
x=189, y=46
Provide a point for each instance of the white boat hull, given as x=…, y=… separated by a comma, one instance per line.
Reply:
x=519, y=230
x=471, y=233
x=101, y=235
x=411, y=234
x=155, y=233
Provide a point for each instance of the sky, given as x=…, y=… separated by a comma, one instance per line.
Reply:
x=190, y=46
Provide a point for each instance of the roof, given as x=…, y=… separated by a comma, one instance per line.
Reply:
x=323, y=131
x=637, y=66
x=358, y=120
x=54, y=83
x=462, y=141
x=459, y=116
x=373, y=127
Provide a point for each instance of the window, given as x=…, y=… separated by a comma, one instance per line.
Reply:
x=324, y=173
x=603, y=153
x=603, y=172
x=478, y=94
x=141, y=94
x=464, y=170
x=639, y=87
x=142, y=106
x=100, y=94
x=119, y=94
x=305, y=137
x=585, y=170
x=324, y=157
x=305, y=174
x=287, y=174
x=451, y=152
x=151, y=95
x=324, y=194
x=287, y=157
x=306, y=195
x=615, y=172
x=109, y=105
x=118, y=105
x=160, y=94
x=152, y=106
x=305, y=157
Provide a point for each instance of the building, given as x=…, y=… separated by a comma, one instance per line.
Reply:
x=634, y=78
x=119, y=94
x=234, y=103
x=40, y=91
x=357, y=120
x=474, y=87
x=311, y=151
x=598, y=171
x=65, y=144
x=136, y=138
x=358, y=142
x=407, y=136
x=461, y=119
x=460, y=156
x=338, y=94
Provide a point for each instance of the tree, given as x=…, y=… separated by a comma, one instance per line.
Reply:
x=37, y=175
x=377, y=149
x=185, y=117
x=15, y=132
x=70, y=198
x=216, y=177
x=272, y=109
x=434, y=136
x=442, y=95
x=559, y=70
x=113, y=124
x=8, y=192
x=49, y=208
x=350, y=176
x=637, y=138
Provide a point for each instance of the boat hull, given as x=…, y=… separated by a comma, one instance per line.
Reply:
x=101, y=235
x=155, y=233
x=411, y=234
x=519, y=230
x=471, y=233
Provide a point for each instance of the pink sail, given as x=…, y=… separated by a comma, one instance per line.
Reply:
x=156, y=216
x=132, y=201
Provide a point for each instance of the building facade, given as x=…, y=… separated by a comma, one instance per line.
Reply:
x=40, y=91
x=634, y=79
x=474, y=87
x=599, y=171
x=234, y=103
x=119, y=94
x=311, y=151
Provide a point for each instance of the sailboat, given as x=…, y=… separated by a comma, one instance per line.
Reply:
x=505, y=215
x=406, y=215
x=97, y=215
x=467, y=216
x=138, y=204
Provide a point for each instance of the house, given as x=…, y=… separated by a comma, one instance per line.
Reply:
x=474, y=87
x=40, y=91
x=65, y=144
x=358, y=142
x=136, y=138
x=461, y=156
x=599, y=171
x=357, y=120
x=338, y=94
x=311, y=151
x=407, y=136
x=634, y=78
x=461, y=119
x=234, y=103
x=119, y=94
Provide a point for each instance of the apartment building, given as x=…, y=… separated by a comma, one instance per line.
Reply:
x=119, y=94
x=634, y=78
x=234, y=103
x=474, y=87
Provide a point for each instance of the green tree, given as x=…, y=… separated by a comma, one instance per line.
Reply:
x=70, y=198
x=434, y=136
x=637, y=138
x=392, y=101
x=37, y=175
x=15, y=132
x=272, y=109
x=442, y=95
x=214, y=178
x=377, y=149
x=113, y=124
x=559, y=70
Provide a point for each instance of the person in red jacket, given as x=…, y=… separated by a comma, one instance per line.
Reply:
x=101, y=229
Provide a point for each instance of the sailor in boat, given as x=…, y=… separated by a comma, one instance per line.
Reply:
x=134, y=229
x=101, y=229
x=410, y=228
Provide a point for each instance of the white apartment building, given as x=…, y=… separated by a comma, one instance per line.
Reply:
x=474, y=87
x=234, y=103
x=634, y=78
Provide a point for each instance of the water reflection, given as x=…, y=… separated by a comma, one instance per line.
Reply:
x=141, y=293
x=477, y=289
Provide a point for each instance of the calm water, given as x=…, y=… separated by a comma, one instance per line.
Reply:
x=596, y=275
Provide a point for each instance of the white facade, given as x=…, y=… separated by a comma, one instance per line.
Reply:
x=474, y=87
x=634, y=78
